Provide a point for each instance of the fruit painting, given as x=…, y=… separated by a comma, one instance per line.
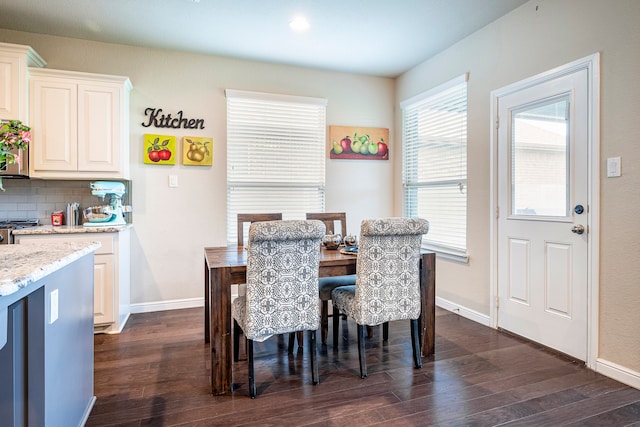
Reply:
x=358, y=143
x=159, y=149
x=197, y=151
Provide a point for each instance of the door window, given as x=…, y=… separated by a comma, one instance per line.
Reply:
x=539, y=168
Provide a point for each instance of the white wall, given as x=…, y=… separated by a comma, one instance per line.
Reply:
x=534, y=38
x=173, y=225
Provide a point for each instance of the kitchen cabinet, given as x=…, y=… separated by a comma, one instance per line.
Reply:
x=111, y=274
x=80, y=125
x=15, y=61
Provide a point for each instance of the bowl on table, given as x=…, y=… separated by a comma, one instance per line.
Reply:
x=332, y=241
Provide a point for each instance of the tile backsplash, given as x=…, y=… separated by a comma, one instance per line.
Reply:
x=36, y=198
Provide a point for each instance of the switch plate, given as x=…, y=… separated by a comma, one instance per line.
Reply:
x=54, y=306
x=173, y=181
x=613, y=167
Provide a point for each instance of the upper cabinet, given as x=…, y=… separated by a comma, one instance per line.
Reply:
x=80, y=125
x=15, y=61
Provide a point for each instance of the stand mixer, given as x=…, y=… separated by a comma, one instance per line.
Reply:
x=110, y=215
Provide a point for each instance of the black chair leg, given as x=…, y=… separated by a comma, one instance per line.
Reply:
x=361, y=352
x=385, y=331
x=300, y=336
x=252, y=378
x=336, y=326
x=313, y=356
x=236, y=340
x=415, y=343
x=292, y=341
x=324, y=321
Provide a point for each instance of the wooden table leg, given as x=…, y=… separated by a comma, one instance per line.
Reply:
x=428, y=299
x=207, y=319
x=220, y=328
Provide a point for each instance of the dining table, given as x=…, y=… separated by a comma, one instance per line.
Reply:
x=227, y=265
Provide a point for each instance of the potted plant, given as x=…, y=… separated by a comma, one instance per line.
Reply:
x=13, y=134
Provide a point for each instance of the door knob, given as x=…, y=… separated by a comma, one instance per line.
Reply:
x=578, y=229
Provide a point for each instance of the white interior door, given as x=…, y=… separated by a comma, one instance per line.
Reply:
x=542, y=235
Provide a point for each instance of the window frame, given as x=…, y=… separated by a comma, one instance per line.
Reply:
x=417, y=114
x=260, y=128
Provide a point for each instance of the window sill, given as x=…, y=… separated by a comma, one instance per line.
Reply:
x=448, y=254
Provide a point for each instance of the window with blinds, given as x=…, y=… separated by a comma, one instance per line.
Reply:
x=434, y=164
x=275, y=155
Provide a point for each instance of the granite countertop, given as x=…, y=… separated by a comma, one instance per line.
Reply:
x=21, y=265
x=68, y=229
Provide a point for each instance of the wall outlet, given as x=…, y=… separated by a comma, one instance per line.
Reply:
x=54, y=306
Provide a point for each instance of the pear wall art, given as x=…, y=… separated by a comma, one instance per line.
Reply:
x=197, y=151
x=358, y=143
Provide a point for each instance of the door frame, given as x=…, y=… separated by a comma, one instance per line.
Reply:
x=592, y=64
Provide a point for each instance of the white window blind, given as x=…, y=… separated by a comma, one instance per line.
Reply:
x=275, y=155
x=434, y=129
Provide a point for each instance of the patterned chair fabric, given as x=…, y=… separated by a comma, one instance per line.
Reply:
x=388, y=272
x=282, y=279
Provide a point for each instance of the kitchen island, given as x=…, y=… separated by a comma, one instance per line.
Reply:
x=46, y=333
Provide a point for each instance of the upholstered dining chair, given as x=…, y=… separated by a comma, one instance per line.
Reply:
x=387, y=281
x=244, y=219
x=282, y=286
x=335, y=222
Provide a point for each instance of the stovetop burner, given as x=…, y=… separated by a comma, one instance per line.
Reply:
x=19, y=223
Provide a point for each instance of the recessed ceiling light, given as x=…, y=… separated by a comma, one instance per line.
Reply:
x=299, y=23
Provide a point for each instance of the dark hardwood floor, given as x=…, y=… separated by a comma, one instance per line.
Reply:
x=156, y=373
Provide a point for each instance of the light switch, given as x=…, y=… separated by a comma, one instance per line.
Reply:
x=173, y=181
x=54, y=306
x=613, y=167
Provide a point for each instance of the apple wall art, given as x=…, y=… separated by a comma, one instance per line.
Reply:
x=358, y=143
x=197, y=151
x=159, y=149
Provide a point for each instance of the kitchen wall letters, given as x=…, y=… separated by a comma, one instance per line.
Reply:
x=158, y=119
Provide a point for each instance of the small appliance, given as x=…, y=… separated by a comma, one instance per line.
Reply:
x=110, y=215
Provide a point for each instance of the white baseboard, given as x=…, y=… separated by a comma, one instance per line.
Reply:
x=148, y=307
x=618, y=373
x=483, y=319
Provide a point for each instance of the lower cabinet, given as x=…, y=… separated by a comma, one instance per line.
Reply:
x=111, y=274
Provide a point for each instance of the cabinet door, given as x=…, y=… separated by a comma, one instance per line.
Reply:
x=103, y=309
x=9, y=83
x=54, y=125
x=98, y=128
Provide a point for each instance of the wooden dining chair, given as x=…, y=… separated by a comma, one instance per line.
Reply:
x=333, y=222
x=387, y=281
x=283, y=261
x=249, y=218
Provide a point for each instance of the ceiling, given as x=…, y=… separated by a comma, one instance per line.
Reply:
x=374, y=37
